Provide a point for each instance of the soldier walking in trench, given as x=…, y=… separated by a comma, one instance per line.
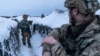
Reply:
x=79, y=38
x=25, y=29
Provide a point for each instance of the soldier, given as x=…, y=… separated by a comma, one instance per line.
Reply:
x=79, y=38
x=25, y=29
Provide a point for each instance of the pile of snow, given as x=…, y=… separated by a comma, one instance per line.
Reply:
x=5, y=26
x=54, y=20
x=19, y=18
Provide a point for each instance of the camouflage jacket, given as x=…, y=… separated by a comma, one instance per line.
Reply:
x=87, y=43
x=24, y=25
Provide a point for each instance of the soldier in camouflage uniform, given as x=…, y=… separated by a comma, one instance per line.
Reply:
x=79, y=38
x=25, y=29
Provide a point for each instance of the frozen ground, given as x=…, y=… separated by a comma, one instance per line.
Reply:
x=36, y=49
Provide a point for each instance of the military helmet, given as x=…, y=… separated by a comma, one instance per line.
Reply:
x=85, y=6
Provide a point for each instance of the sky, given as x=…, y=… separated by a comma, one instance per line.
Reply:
x=31, y=7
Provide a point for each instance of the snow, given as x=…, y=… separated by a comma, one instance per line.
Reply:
x=36, y=49
x=54, y=20
x=98, y=12
x=36, y=43
x=6, y=25
x=25, y=51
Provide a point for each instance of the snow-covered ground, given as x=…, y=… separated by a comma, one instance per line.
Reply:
x=53, y=20
x=35, y=41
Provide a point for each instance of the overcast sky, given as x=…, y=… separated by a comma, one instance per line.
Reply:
x=31, y=7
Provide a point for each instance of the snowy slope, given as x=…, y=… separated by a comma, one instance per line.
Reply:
x=55, y=19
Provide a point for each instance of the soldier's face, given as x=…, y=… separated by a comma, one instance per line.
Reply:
x=71, y=16
x=74, y=15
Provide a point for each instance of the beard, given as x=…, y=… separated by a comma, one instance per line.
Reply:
x=72, y=20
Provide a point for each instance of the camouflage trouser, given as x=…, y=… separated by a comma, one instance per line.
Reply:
x=26, y=37
x=55, y=49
